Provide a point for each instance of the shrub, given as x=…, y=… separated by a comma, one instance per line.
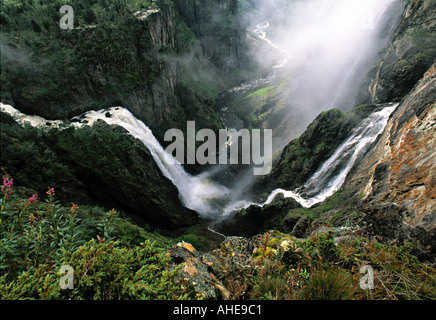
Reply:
x=323, y=247
x=102, y=271
x=271, y=282
x=37, y=238
x=333, y=284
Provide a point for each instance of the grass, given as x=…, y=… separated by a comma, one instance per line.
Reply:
x=318, y=269
x=264, y=92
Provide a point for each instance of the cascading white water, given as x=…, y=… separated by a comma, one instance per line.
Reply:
x=282, y=55
x=327, y=35
x=330, y=177
x=326, y=181
x=197, y=192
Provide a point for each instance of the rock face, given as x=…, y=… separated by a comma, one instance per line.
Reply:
x=397, y=178
x=154, y=101
x=408, y=56
x=218, y=27
x=393, y=188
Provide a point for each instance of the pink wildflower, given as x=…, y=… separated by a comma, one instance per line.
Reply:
x=74, y=208
x=8, y=182
x=112, y=213
x=50, y=191
x=33, y=198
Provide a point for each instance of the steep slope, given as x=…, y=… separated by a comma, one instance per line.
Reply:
x=138, y=54
x=391, y=191
x=218, y=26
x=410, y=53
x=396, y=179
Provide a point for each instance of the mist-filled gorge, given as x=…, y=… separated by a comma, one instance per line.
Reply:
x=229, y=142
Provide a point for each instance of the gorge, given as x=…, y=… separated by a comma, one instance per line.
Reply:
x=347, y=90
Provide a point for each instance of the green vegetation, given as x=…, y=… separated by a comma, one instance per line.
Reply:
x=91, y=165
x=104, y=271
x=114, y=259
x=320, y=269
x=40, y=61
x=110, y=257
x=259, y=105
x=424, y=40
x=261, y=92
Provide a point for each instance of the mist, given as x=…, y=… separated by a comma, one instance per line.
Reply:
x=329, y=47
x=18, y=57
x=323, y=51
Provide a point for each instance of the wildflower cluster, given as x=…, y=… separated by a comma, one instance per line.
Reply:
x=33, y=198
x=8, y=182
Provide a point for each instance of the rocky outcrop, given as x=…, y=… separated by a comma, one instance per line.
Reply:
x=204, y=270
x=410, y=53
x=227, y=271
x=396, y=179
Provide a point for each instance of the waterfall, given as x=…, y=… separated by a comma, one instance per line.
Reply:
x=318, y=46
x=195, y=192
x=210, y=199
x=331, y=175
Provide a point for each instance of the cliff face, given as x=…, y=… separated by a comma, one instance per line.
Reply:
x=149, y=61
x=218, y=27
x=410, y=53
x=396, y=179
x=391, y=191
x=105, y=75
